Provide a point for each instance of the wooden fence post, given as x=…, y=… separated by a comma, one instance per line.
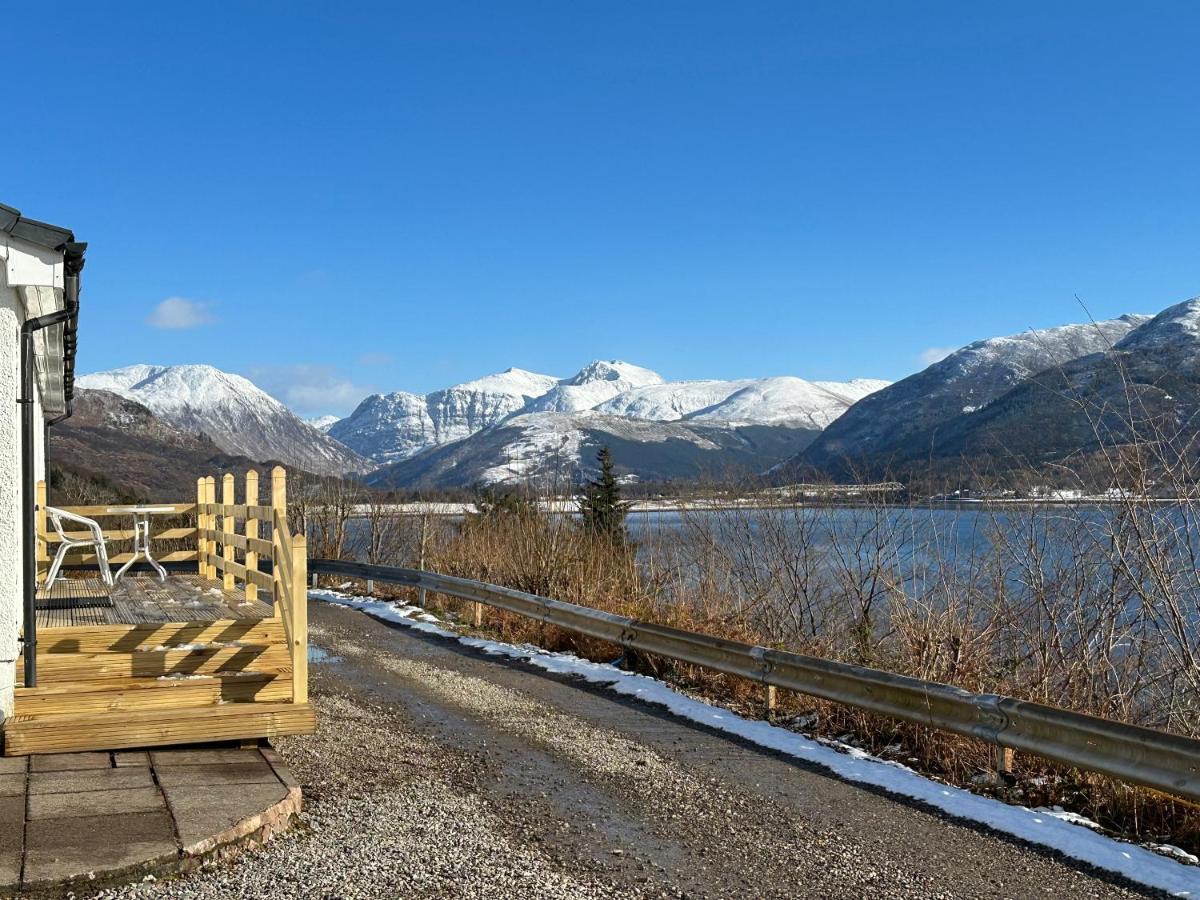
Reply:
x=43, y=548
x=201, y=524
x=210, y=492
x=278, y=509
x=227, y=525
x=251, y=534
x=299, y=619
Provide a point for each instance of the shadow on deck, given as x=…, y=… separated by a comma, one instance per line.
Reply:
x=144, y=599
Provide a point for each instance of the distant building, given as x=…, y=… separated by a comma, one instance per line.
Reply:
x=39, y=293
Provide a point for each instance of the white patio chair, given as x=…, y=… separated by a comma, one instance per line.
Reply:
x=97, y=541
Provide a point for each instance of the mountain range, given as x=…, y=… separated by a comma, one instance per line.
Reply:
x=523, y=426
x=1022, y=401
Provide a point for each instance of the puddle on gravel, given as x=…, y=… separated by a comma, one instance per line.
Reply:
x=321, y=655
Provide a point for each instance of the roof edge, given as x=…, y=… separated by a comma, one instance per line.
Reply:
x=41, y=233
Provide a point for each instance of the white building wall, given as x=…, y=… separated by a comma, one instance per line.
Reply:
x=11, y=317
x=25, y=268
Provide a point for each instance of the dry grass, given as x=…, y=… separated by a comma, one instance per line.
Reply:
x=1030, y=605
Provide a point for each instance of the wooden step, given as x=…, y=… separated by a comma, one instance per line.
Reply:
x=62, y=667
x=118, y=730
x=82, y=698
x=128, y=638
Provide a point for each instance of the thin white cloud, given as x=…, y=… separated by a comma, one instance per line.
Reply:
x=930, y=355
x=376, y=359
x=310, y=390
x=177, y=313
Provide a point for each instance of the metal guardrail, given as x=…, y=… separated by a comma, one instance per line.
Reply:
x=1156, y=759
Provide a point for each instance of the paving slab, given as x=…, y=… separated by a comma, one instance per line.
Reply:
x=12, y=831
x=12, y=785
x=204, y=810
x=63, y=849
x=66, y=818
x=253, y=771
x=89, y=780
x=282, y=772
x=203, y=757
x=69, y=762
x=94, y=803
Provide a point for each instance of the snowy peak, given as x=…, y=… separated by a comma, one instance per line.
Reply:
x=614, y=370
x=388, y=427
x=1024, y=354
x=748, y=401
x=511, y=382
x=592, y=385
x=1176, y=327
x=179, y=387
x=232, y=411
x=323, y=423
x=781, y=400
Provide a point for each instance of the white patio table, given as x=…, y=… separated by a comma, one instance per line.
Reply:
x=141, y=536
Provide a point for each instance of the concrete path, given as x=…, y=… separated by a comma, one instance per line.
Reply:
x=438, y=771
x=96, y=817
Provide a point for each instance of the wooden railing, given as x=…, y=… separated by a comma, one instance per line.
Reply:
x=48, y=539
x=217, y=528
x=230, y=542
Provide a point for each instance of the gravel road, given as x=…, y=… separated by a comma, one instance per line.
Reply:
x=438, y=771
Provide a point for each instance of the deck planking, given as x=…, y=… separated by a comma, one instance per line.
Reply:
x=143, y=599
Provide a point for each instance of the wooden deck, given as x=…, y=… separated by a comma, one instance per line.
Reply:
x=144, y=599
x=216, y=654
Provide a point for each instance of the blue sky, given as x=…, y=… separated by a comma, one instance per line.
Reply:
x=350, y=197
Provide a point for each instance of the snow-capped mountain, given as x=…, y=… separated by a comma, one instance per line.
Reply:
x=558, y=449
x=809, y=404
x=236, y=415
x=658, y=430
x=128, y=446
x=388, y=427
x=1146, y=387
x=323, y=423
x=592, y=385
x=903, y=421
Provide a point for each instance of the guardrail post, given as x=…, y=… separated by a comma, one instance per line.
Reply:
x=769, y=705
x=227, y=498
x=1002, y=763
x=370, y=587
x=251, y=534
x=477, y=615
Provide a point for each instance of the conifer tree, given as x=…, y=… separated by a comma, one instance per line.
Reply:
x=601, y=505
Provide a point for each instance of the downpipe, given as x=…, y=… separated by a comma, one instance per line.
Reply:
x=28, y=480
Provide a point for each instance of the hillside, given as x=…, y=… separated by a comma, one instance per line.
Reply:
x=906, y=423
x=236, y=415
x=122, y=442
